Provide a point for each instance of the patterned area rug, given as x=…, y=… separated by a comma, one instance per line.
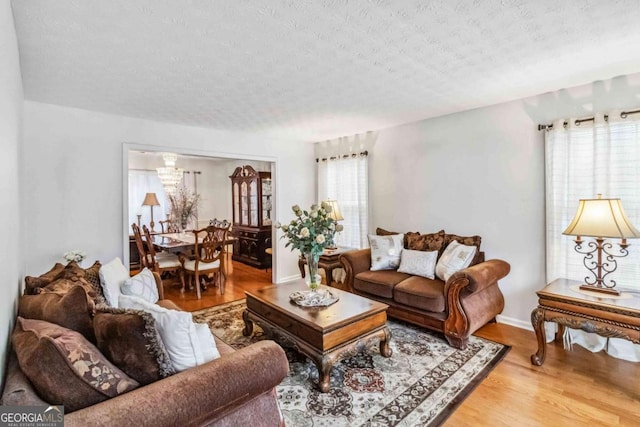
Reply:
x=421, y=384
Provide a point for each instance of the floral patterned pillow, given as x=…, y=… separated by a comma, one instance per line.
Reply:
x=64, y=367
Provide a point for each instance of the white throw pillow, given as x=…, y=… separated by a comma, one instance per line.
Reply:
x=418, y=263
x=176, y=329
x=207, y=342
x=454, y=258
x=142, y=285
x=385, y=251
x=112, y=275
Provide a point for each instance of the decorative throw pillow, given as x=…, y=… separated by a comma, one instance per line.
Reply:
x=32, y=283
x=207, y=342
x=130, y=340
x=176, y=329
x=70, y=310
x=385, y=251
x=426, y=242
x=454, y=258
x=112, y=275
x=63, y=285
x=64, y=367
x=142, y=285
x=418, y=263
x=383, y=232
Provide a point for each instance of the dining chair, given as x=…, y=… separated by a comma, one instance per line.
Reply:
x=220, y=224
x=169, y=226
x=145, y=257
x=167, y=262
x=208, y=258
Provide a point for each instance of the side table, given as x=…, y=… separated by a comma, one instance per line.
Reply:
x=329, y=261
x=563, y=303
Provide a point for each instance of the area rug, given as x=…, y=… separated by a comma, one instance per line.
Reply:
x=421, y=384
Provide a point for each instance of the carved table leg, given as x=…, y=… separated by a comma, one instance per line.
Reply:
x=248, y=324
x=537, y=320
x=385, y=350
x=301, y=264
x=324, y=366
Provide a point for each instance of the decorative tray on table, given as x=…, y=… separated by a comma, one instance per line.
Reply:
x=318, y=298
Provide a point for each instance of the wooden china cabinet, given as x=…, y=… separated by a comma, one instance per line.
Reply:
x=252, y=203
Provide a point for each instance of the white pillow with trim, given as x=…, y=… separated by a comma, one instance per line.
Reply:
x=386, y=251
x=112, y=275
x=176, y=329
x=142, y=285
x=454, y=258
x=418, y=263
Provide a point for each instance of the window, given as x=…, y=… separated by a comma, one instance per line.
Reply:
x=582, y=161
x=345, y=179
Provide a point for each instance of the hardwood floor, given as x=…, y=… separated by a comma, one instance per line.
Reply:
x=572, y=388
x=240, y=277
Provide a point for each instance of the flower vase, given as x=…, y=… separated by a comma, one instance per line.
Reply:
x=313, y=278
x=184, y=222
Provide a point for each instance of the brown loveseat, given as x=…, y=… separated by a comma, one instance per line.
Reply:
x=467, y=301
x=236, y=389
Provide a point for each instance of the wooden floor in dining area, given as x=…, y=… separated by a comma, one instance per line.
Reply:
x=240, y=277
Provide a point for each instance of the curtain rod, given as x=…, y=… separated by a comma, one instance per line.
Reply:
x=623, y=115
x=153, y=170
x=346, y=156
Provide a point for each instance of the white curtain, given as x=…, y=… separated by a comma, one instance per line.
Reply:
x=345, y=179
x=582, y=160
x=142, y=182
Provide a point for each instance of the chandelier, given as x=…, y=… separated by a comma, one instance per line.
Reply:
x=170, y=176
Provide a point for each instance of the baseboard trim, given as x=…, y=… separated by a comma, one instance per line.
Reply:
x=514, y=322
x=289, y=279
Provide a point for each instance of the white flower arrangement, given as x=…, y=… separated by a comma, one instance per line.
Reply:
x=75, y=255
x=311, y=231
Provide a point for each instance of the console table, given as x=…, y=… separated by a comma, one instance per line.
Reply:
x=563, y=303
x=329, y=261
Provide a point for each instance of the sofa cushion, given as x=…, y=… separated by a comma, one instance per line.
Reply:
x=419, y=263
x=64, y=367
x=63, y=285
x=467, y=241
x=383, y=232
x=178, y=333
x=380, y=283
x=142, y=285
x=112, y=275
x=385, y=251
x=422, y=293
x=130, y=340
x=32, y=283
x=426, y=242
x=454, y=258
x=70, y=310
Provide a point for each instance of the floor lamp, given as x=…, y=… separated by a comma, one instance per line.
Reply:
x=151, y=200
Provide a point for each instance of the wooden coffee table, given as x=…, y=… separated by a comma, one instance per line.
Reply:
x=324, y=334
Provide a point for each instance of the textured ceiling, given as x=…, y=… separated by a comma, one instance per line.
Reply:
x=315, y=69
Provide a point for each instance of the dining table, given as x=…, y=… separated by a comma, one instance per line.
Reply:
x=180, y=242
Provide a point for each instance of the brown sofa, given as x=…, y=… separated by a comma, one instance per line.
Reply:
x=467, y=301
x=236, y=389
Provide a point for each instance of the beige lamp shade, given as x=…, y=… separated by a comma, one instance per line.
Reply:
x=335, y=210
x=150, y=200
x=601, y=218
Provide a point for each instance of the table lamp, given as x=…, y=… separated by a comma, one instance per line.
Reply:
x=600, y=218
x=151, y=200
x=336, y=215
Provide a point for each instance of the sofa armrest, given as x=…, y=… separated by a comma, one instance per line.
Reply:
x=467, y=284
x=355, y=262
x=479, y=276
x=196, y=396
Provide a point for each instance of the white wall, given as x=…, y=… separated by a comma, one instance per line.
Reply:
x=73, y=164
x=11, y=102
x=482, y=172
